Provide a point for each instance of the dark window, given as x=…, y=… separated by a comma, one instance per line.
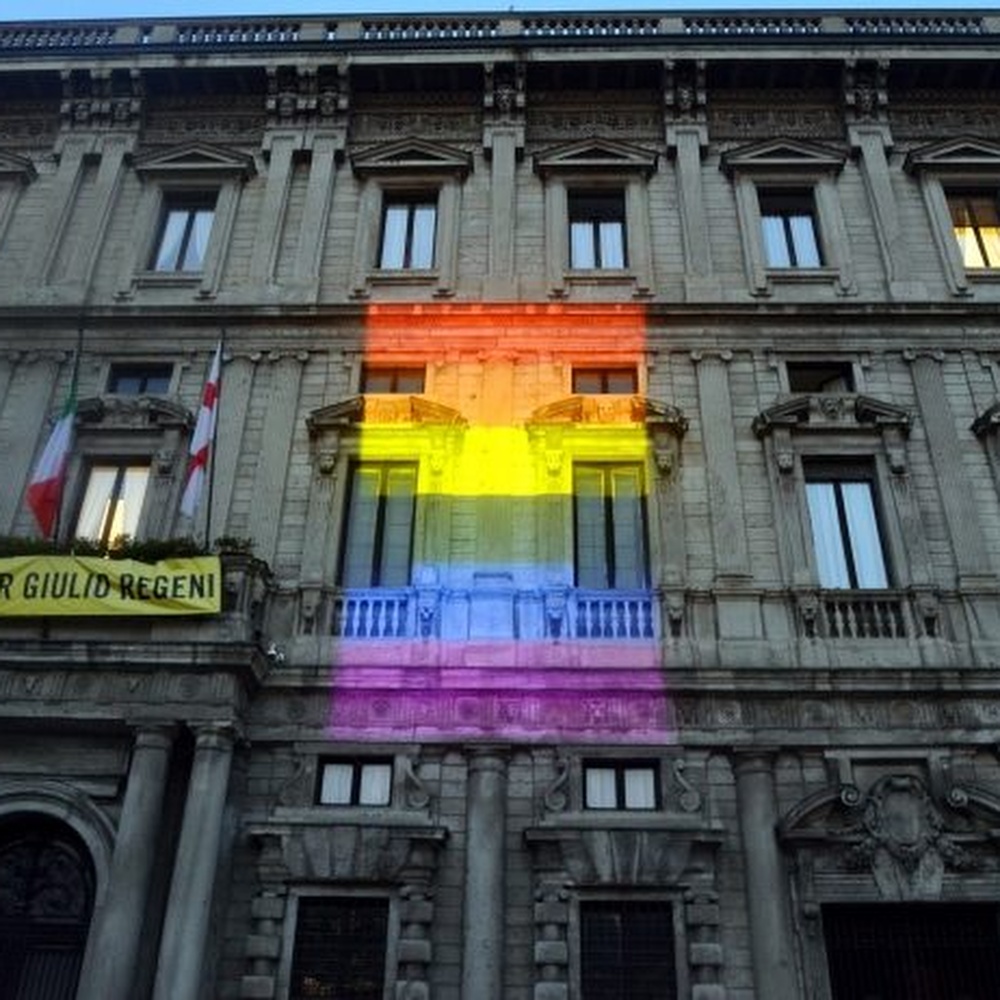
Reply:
x=378, y=536
x=913, y=951
x=137, y=379
x=46, y=899
x=402, y=380
x=620, y=785
x=610, y=527
x=789, y=226
x=845, y=527
x=408, y=230
x=597, y=229
x=184, y=232
x=604, y=380
x=355, y=783
x=820, y=376
x=112, y=501
x=627, y=951
x=339, y=949
x=976, y=223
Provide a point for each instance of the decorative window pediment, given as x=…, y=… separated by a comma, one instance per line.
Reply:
x=964, y=154
x=16, y=168
x=197, y=159
x=350, y=412
x=412, y=156
x=132, y=413
x=831, y=412
x=596, y=154
x=778, y=155
x=609, y=410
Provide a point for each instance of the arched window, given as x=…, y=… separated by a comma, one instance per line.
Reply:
x=46, y=900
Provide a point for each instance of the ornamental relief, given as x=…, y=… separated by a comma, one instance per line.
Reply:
x=242, y=121
x=762, y=116
x=27, y=125
x=935, y=117
x=442, y=125
x=621, y=116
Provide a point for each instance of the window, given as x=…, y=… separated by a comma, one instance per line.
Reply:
x=620, y=786
x=355, y=783
x=788, y=224
x=598, y=381
x=138, y=379
x=184, y=232
x=112, y=501
x=339, y=949
x=627, y=951
x=934, y=951
x=820, y=377
x=845, y=530
x=596, y=229
x=378, y=538
x=976, y=224
x=401, y=380
x=610, y=527
x=409, y=224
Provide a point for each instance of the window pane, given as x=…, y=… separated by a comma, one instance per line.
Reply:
x=96, y=501
x=640, y=788
x=775, y=243
x=588, y=382
x=422, y=248
x=623, y=381
x=599, y=792
x=612, y=236
x=828, y=544
x=336, y=786
x=397, y=533
x=803, y=232
x=112, y=502
x=172, y=240
x=362, y=520
x=376, y=784
x=628, y=528
x=581, y=240
x=591, y=529
x=201, y=229
x=129, y=509
x=133, y=379
x=394, y=225
x=862, y=527
x=377, y=380
x=410, y=380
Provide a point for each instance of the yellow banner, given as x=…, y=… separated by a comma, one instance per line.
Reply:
x=89, y=585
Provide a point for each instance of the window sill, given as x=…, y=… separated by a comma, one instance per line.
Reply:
x=983, y=275
x=169, y=279
x=802, y=275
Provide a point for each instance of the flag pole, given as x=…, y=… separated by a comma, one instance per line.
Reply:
x=74, y=378
x=215, y=434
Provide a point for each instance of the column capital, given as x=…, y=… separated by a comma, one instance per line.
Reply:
x=155, y=736
x=214, y=735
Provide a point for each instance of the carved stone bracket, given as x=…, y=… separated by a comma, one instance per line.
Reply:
x=101, y=99
x=866, y=90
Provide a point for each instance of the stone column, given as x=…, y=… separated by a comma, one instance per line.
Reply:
x=483, y=920
x=113, y=946
x=766, y=883
x=686, y=143
x=189, y=905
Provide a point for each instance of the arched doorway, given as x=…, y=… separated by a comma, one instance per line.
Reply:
x=46, y=900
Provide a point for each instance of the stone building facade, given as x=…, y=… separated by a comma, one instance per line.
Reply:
x=611, y=406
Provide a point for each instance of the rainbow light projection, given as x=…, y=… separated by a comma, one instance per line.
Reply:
x=480, y=629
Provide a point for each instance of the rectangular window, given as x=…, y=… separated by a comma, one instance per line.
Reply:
x=620, y=786
x=408, y=231
x=820, y=376
x=408, y=381
x=845, y=529
x=378, y=535
x=605, y=380
x=355, y=783
x=976, y=225
x=627, y=951
x=788, y=220
x=339, y=950
x=596, y=229
x=112, y=501
x=138, y=379
x=610, y=527
x=184, y=232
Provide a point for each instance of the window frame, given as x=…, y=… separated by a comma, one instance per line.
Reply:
x=115, y=495
x=413, y=203
x=604, y=373
x=137, y=367
x=621, y=769
x=191, y=205
x=787, y=205
x=993, y=195
x=394, y=373
x=594, y=218
x=834, y=368
x=358, y=766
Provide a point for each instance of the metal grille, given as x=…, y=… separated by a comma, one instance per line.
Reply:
x=919, y=951
x=627, y=951
x=340, y=949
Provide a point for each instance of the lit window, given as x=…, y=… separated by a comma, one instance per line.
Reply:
x=820, y=376
x=788, y=220
x=340, y=944
x=610, y=527
x=845, y=530
x=408, y=231
x=112, y=502
x=378, y=537
x=620, y=786
x=184, y=234
x=399, y=380
x=596, y=230
x=604, y=380
x=627, y=951
x=140, y=379
x=976, y=224
x=356, y=783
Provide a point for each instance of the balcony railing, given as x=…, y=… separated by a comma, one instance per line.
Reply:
x=865, y=614
x=378, y=613
x=611, y=614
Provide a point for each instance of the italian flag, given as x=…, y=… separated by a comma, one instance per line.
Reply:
x=201, y=441
x=44, y=495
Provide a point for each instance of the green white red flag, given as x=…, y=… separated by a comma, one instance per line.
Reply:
x=45, y=489
x=201, y=441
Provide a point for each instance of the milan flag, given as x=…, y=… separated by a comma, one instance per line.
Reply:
x=45, y=489
x=201, y=442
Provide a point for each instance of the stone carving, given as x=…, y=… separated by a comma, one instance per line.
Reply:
x=555, y=797
x=689, y=798
x=417, y=794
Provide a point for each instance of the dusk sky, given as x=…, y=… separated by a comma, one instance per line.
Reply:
x=21, y=10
